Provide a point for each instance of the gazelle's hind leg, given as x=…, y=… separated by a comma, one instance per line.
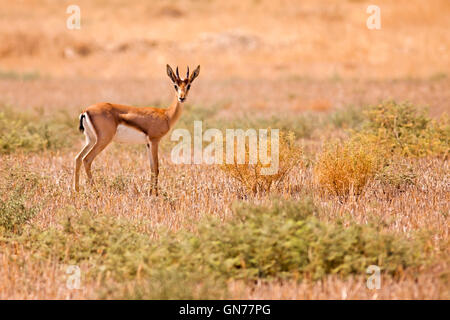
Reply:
x=103, y=138
x=78, y=159
x=90, y=141
x=95, y=151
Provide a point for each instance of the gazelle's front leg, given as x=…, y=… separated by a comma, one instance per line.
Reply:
x=152, y=147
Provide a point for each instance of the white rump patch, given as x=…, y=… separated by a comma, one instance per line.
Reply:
x=89, y=131
x=125, y=134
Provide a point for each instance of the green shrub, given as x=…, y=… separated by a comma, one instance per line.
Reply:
x=14, y=214
x=113, y=246
x=16, y=184
x=18, y=180
x=405, y=130
x=347, y=118
x=13, y=75
x=287, y=240
x=284, y=240
x=30, y=132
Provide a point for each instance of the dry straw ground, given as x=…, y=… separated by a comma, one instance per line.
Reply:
x=308, y=67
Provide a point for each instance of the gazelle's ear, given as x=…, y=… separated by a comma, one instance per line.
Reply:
x=194, y=74
x=171, y=74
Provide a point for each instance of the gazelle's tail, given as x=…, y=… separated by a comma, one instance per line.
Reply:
x=81, y=127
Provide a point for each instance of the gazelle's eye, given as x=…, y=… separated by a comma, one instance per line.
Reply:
x=175, y=86
x=189, y=86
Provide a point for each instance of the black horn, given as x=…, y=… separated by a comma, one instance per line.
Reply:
x=178, y=76
x=187, y=74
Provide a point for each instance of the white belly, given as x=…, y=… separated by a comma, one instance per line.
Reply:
x=127, y=134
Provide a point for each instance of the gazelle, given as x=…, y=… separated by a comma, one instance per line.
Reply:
x=105, y=122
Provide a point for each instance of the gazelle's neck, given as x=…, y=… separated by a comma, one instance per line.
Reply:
x=174, y=111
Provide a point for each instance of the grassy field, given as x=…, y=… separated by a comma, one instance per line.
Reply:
x=370, y=183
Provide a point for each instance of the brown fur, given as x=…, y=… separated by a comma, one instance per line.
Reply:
x=153, y=122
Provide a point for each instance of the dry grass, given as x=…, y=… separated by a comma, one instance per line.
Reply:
x=324, y=62
x=407, y=288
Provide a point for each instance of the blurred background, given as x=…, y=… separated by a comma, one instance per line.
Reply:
x=261, y=54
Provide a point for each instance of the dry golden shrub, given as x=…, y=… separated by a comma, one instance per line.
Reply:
x=345, y=168
x=250, y=175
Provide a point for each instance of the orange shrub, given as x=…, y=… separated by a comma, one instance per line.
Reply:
x=250, y=176
x=345, y=168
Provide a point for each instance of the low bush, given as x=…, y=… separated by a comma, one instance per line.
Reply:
x=287, y=240
x=31, y=133
x=14, y=214
x=346, y=118
x=112, y=246
x=250, y=175
x=15, y=186
x=284, y=240
x=405, y=130
x=345, y=168
x=13, y=75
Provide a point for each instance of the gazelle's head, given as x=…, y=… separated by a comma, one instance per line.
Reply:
x=182, y=86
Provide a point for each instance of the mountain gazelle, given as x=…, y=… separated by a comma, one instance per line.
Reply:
x=102, y=123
